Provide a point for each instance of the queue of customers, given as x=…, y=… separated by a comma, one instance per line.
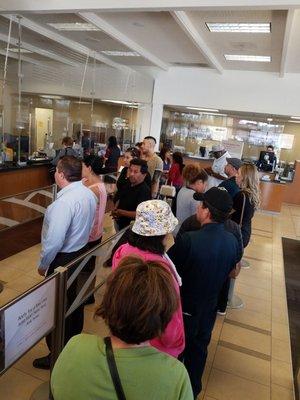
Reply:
x=160, y=304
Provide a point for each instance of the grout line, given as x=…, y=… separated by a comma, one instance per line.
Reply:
x=248, y=327
x=245, y=350
x=242, y=377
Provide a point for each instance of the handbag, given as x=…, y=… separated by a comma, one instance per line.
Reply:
x=234, y=273
x=113, y=369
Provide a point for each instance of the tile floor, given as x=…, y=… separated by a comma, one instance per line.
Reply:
x=249, y=354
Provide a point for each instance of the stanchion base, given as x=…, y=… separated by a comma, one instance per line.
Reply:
x=42, y=392
x=236, y=302
x=245, y=264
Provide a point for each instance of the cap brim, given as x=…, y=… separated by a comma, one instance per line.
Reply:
x=198, y=196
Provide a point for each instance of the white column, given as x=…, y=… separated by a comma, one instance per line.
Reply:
x=149, y=121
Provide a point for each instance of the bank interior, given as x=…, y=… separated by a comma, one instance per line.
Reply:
x=128, y=69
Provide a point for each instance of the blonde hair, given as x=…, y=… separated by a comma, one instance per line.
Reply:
x=250, y=183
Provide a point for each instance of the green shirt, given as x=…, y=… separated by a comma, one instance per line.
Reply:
x=81, y=373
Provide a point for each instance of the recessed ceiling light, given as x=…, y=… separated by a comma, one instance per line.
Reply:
x=269, y=119
x=16, y=50
x=295, y=117
x=73, y=26
x=241, y=57
x=211, y=113
x=243, y=27
x=117, y=53
x=203, y=109
x=121, y=102
x=50, y=96
x=246, y=122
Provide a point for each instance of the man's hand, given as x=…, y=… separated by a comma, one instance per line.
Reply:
x=42, y=271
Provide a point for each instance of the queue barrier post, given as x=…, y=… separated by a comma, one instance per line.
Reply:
x=43, y=391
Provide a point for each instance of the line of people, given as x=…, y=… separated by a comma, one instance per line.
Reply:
x=215, y=226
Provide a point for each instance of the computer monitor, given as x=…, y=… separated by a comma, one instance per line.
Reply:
x=267, y=161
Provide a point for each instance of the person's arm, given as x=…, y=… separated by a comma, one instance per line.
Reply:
x=218, y=176
x=156, y=177
x=123, y=213
x=186, y=392
x=56, y=224
x=179, y=252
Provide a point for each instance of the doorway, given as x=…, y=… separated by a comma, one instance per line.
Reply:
x=44, y=124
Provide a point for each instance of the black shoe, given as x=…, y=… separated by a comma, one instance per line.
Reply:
x=107, y=263
x=42, y=363
x=90, y=300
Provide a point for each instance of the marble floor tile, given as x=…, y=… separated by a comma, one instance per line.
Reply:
x=281, y=350
x=246, y=338
x=243, y=365
x=281, y=374
x=225, y=386
x=280, y=331
x=249, y=317
x=281, y=393
x=243, y=287
x=16, y=385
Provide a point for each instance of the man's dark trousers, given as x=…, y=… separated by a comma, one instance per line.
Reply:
x=198, y=329
x=74, y=323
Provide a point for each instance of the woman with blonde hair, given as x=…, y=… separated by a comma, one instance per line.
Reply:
x=247, y=201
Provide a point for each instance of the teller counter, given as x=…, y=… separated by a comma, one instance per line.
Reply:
x=14, y=180
x=273, y=194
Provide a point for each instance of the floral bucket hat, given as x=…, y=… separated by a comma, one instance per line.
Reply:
x=154, y=218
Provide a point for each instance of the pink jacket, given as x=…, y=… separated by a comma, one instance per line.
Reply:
x=172, y=341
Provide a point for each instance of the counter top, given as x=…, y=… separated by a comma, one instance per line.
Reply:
x=199, y=157
x=14, y=167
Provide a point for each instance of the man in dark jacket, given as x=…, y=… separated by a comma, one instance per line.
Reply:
x=204, y=258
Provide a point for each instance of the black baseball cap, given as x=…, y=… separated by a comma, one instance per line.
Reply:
x=216, y=198
x=235, y=162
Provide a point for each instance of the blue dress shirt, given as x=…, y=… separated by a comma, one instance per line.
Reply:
x=67, y=222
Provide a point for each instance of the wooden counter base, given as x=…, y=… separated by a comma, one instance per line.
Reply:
x=23, y=180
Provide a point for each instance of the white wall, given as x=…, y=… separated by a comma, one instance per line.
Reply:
x=249, y=91
x=259, y=92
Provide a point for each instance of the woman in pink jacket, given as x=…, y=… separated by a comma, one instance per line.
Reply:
x=154, y=220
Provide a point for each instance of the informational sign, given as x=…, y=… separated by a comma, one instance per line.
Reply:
x=234, y=148
x=26, y=321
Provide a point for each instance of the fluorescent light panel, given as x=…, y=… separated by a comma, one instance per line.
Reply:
x=211, y=113
x=203, y=109
x=117, y=53
x=120, y=102
x=241, y=57
x=73, y=26
x=295, y=117
x=51, y=97
x=16, y=50
x=242, y=27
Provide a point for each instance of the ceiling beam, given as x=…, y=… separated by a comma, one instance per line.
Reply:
x=38, y=50
x=116, y=34
x=189, y=28
x=23, y=58
x=144, y=5
x=71, y=44
x=286, y=40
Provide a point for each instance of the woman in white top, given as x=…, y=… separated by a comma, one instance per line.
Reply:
x=195, y=180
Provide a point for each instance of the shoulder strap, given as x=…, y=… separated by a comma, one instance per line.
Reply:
x=113, y=369
x=243, y=209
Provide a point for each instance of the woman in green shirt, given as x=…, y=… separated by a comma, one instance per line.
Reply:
x=138, y=303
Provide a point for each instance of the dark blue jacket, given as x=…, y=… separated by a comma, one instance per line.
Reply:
x=204, y=259
x=231, y=186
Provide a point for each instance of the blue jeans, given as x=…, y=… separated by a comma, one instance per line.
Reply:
x=198, y=329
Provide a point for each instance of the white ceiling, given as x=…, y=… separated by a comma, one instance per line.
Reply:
x=176, y=36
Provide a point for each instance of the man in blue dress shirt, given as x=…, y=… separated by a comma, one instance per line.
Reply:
x=66, y=229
